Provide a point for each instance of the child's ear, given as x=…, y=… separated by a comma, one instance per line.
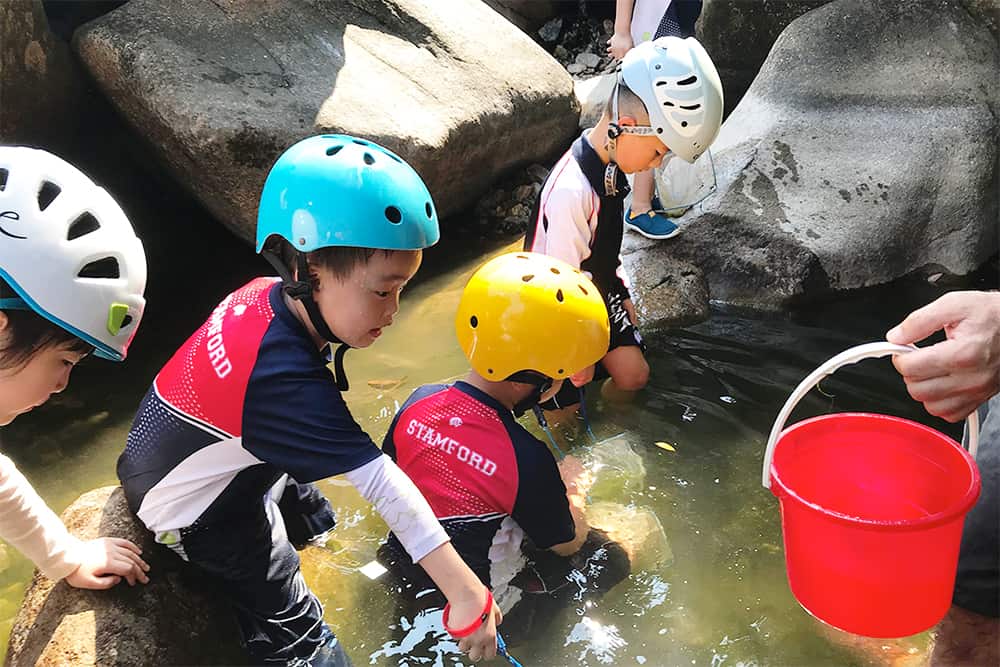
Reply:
x=3, y=321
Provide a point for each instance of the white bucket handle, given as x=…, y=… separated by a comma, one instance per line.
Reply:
x=845, y=358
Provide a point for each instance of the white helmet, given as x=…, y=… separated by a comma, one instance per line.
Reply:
x=680, y=88
x=68, y=251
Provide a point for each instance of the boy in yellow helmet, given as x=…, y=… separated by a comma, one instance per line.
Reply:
x=526, y=322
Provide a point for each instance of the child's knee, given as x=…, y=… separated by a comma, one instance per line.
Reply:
x=633, y=378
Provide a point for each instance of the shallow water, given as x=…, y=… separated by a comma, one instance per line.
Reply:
x=708, y=583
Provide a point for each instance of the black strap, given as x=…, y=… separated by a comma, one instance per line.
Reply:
x=301, y=291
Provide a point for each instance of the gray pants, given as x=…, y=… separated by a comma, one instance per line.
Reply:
x=977, y=585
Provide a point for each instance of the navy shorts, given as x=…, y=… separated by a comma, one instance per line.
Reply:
x=253, y=562
x=623, y=334
x=977, y=584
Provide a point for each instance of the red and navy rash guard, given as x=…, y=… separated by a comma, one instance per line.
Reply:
x=245, y=400
x=488, y=480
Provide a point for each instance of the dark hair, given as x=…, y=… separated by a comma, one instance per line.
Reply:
x=629, y=104
x=28, y=333
x=338, y=260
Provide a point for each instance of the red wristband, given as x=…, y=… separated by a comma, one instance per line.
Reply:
x=475, y=625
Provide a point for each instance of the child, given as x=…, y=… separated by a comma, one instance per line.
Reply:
x=668, y=99
x=72, y=275
x=246, y=414
x=638, y=21
x=526, y=322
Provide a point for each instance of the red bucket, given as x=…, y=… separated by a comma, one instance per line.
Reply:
x=872, y=509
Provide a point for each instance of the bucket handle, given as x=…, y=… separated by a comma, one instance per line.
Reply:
x=845, y=358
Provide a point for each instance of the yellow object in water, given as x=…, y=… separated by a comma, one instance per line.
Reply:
x=665, y=445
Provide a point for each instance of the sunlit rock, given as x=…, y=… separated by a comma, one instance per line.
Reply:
x=865, y=150
x=220, y=89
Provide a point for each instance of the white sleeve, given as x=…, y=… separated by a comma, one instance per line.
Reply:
x=28, y=524
x=568, y=234
x=397, y=499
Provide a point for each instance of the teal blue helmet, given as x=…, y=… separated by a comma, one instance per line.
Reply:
x=338, y=190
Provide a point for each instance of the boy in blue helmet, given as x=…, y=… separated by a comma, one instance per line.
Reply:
x=667, y=100
x=241, y=420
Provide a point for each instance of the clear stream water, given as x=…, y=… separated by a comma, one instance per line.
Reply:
x=708, y=582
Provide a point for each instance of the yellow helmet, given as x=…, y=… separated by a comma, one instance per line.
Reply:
x=524, y=311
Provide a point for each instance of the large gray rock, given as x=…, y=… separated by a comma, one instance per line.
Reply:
x=173, y=620
x=41, y=87
x=865, y=150
x=219, y=89
x=738, y=34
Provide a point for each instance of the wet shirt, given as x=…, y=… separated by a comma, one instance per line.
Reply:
x=576, y=219
x=488, y=480
x=245, y=400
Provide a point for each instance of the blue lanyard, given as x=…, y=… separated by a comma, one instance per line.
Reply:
x=502, y=650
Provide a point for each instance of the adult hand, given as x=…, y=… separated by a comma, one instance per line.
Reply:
x=481, y=644
x=619, y=45
x=105, y=561
x=955, y=376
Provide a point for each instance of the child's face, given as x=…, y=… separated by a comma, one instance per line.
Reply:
x=635, y=153
x=358, y=306
x=25, y=388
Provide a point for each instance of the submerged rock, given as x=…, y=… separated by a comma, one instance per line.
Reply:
x=173, y=620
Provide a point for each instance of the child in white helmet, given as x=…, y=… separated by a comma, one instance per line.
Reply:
x=668, y=99
x=638, y=21
x=72, y=274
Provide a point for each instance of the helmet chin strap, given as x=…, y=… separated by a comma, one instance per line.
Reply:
x=301, y=291
x=615, y=130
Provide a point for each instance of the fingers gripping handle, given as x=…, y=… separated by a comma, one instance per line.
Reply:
x=845, y=358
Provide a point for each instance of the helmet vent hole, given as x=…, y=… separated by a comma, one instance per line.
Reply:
x=668, y=104
x=659, y=130
x=474, y=321
x=523, y=257
x=393, y=215
x=395, y=157
x=554, y=270
x=3, y=179
x=127, y=320
x=691, y=80
x=82, y=226
x=359, y=142
x=584, y=290
x=47, y=194
x=560, y=371
x=102, y=268
x=693, y=107
x=490, y=371
x=684, y=123
x=429, y=210
x=528, y=277
x=369, y=159
x=559, y=296
x=333, y=150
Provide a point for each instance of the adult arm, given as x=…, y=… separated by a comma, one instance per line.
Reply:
x=955, y=376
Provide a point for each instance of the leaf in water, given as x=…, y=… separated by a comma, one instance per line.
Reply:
x=386, y=385
x=666, y=445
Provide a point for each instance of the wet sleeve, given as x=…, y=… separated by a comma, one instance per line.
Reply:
x=568, y=233
x=28, y=524
x=298, y=421
x=541, y=508
x=401, y=505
